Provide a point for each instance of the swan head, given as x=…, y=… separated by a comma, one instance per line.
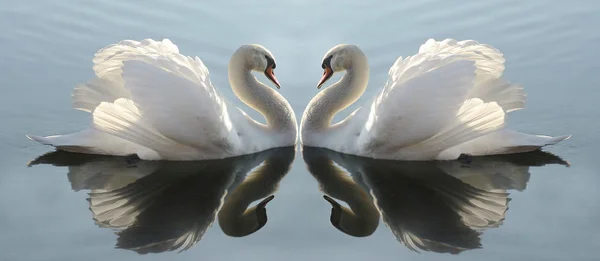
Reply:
x=339, y=58
x=349, y=223
x=258, y=58
x=250, y=221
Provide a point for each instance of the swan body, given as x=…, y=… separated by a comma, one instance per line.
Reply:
x=148, y=99
x=448, y=99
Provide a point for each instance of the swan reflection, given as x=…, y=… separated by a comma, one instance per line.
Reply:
x=438, y=206
x=159, y=206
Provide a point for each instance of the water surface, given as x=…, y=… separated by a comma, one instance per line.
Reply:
x=47, y=47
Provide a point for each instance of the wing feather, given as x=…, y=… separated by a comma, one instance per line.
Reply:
x=448, y=93
x=180, y=104
x=171, y=94
x=489, y=62
x=417, y=101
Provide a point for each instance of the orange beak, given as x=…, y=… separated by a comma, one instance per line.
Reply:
x=327, y=73
x=271, y=75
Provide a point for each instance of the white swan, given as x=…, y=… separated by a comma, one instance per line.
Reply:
x=447, y=100
x=149, y=100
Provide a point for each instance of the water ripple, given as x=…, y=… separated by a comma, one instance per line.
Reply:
x=67, y=33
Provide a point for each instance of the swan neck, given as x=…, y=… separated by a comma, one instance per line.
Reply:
x=335, y=98
x=260, y=97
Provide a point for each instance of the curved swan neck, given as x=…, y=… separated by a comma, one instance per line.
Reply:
x=362, y=218
x=277, y=111
x=326, y=104
x=235, y=218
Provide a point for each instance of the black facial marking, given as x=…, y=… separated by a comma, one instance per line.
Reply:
x=270, y=62
x=327, y=62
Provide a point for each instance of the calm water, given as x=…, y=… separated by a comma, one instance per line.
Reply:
x=550, y=47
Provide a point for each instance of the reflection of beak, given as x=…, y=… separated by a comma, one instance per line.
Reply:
x=326, y=75
x=331, y=201
x=271, y=75
x=264, y=202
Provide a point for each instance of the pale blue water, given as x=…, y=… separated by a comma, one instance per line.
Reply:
x=47, y=46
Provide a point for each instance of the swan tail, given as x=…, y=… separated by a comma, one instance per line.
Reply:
x=63, y=143
x=474, y=119
x=89, y=141
x=505, y=141
x=123, y=119
x=69, y=142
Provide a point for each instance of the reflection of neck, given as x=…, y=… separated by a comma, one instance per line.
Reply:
x=362, y=218
x=235, y=218
x=326, y=104
x=276, y=110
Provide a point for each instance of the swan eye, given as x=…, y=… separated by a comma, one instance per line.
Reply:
x=327, y=62
x=270, y=62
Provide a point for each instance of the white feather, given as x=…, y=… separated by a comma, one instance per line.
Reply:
x=424, y=109
x=150, y=100
x=448, y=99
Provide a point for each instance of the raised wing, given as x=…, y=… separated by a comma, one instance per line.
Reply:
x=489, y=62
x=157, y=97
x=108, y=63
x=425, y=105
